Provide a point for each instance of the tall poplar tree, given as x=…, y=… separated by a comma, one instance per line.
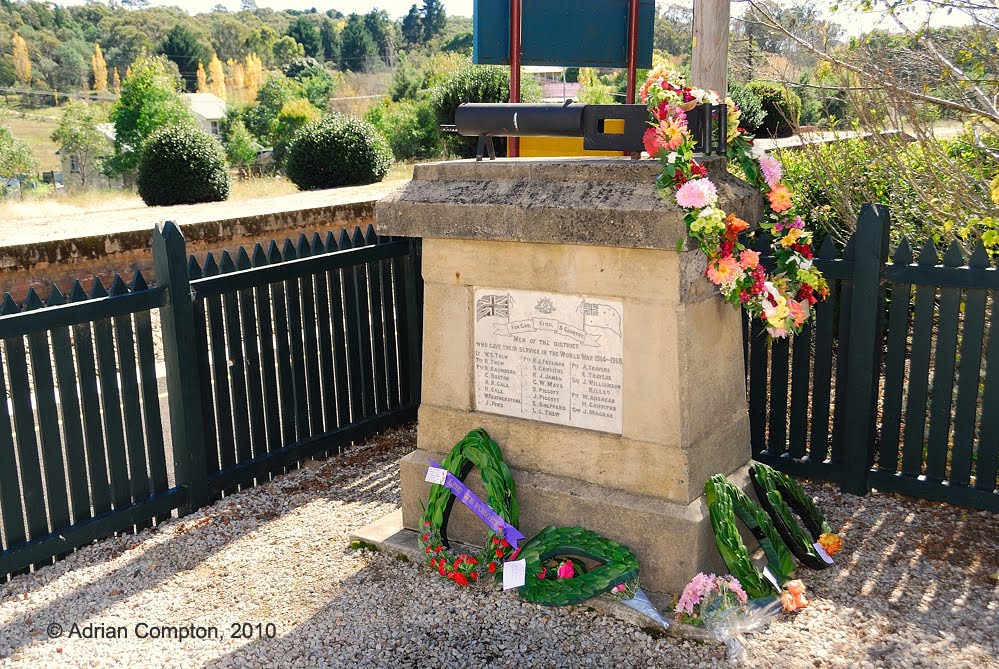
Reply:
x=99, y=68
x=22, y=60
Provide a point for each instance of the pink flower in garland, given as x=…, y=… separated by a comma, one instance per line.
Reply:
x=749, y=259
x=771, y=169
x=697, y=194
x=566, y=570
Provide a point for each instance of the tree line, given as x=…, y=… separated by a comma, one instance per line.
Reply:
x=55, y=48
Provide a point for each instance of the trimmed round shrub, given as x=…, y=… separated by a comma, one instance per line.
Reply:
x=337, y=151
x=181, y=164
x=782, y=107
x=475, y=83
x=750, y=106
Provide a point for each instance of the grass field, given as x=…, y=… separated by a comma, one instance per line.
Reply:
x=34, y=127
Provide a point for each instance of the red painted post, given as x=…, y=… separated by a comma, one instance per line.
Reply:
x=632, y=50
x=513, y=143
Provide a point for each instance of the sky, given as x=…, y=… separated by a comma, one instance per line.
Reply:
x=854, y=22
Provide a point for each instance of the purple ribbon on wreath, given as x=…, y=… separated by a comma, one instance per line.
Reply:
x=485, y=513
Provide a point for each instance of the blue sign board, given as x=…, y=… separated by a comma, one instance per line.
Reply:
x=568, y=33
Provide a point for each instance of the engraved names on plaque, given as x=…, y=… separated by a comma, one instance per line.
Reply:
x=550, y=357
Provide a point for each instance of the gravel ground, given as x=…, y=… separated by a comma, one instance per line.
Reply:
x=916, y=586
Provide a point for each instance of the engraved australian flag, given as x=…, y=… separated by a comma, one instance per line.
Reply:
x=492, y=305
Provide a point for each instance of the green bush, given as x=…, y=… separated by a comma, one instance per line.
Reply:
x=409, y=126
x=475, y=83
x=182, y=165
x=338, y=151
x=936, y=190
x=782, y=107
x=750, y=106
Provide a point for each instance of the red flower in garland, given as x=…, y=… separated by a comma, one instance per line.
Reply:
x=426, y=523
x=804, y=249
x=458, y=578
x=438, y=549
x=433, y=563
x=440, y=568
x=698, y=170
x=499, y=553
x=492, y=567
x=679, y=179
x=426, y=538
x=805, y=293
x=474, y=576
x=427, y=549
x=544, y=572
x=504, y=543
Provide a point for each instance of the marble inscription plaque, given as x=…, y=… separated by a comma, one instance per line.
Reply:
x=550, y=357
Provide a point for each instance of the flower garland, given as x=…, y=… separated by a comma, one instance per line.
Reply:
x=559, y=584
x=478, y=449
x=784, y=299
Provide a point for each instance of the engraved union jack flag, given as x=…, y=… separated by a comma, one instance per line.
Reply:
x=492, y=305
x=590, y=309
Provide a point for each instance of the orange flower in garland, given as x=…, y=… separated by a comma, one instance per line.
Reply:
x=780, y=198
x=832, y=543
x=733, y=226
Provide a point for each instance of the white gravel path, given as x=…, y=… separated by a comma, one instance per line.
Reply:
x=916, y=586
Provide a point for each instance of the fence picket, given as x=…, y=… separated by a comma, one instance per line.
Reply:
x=375, y=297
x=83, y=345
x=800, y=373
x=325, y=339
x=825, y=315
x=69, y=401
x=286, y=390
x=236, y=366
x=919, y=370
x=48, y=420
x=777, y=429
x=363, y=325
x=896, y=348
x=199, y=329
x=107, y=373
x=24, y=427
x=943, y=372
x=132, y=413
x=262, y=311
x=391, y=341
x=969, y=375
x=341, y=368
x=842, y=355
x=220, y=372
x=759, y=350
x=296, y=336
x=311, y=343
x=352, y=314
x=988, y=438
x=10, y=488
x=251, y=355
x=152, y=421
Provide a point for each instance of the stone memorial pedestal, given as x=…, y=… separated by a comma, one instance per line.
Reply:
x=560, y=316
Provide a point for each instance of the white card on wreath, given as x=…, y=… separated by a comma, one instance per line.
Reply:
x=822, y=553
x=770, y=577
x=436, y=475
x=514, y=574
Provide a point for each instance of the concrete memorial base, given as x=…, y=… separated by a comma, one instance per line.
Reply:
x=566, y=313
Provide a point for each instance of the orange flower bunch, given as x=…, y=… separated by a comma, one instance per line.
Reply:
x=793, y=596
x=832, y=543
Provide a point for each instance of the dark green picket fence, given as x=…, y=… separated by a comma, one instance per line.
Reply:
x=271, y=358
x=896, y=385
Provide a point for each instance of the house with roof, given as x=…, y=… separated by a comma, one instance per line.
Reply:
x=209, y=110
x=84, y=171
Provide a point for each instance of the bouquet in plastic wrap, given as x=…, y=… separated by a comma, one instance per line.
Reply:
x=717, y=608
